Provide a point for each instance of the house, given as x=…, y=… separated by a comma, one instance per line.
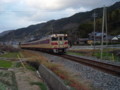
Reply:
x=116, y=38
x=97, y=35
x=82, y=41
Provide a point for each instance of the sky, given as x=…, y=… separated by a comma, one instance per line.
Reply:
x=22, y=13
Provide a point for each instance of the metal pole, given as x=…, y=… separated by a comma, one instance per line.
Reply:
x=94, y=15
x=102, y=33
x=52, y=30
x=106, y=26
x=106, y=30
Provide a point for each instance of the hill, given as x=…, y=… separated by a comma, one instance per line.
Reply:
x=5, y=32
x=80, y=24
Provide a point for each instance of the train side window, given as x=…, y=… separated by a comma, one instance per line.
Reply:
x=65, y=38
x=54, y=38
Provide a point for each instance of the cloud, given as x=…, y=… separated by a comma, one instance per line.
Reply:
x=20, y=13
x=45, y=4
x=6, y=1
x=63, y=4
x=14, y=20
x=53, y=4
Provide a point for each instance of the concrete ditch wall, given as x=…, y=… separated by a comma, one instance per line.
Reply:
x=51, y=79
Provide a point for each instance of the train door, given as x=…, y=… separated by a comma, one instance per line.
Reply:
x=60, y=42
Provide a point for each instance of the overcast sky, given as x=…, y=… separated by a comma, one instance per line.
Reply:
x=21, y=13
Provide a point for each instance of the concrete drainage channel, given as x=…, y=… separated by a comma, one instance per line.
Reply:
x=52, y=80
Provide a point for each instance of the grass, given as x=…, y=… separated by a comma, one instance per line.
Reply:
x=30, y=67
x=74, y=53
x=96, y=53
x=17, y=64
x=5, y=64
x=10, y=55
x=107, y=56
x=41, y=85
x=3, y=86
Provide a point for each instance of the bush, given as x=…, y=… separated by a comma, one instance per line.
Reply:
x=33, y=64
x=41, y=85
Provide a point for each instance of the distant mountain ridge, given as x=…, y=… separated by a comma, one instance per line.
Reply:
x=64, y=25
x=5, y=32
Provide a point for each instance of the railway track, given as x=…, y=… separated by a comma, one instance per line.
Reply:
x=108, y=68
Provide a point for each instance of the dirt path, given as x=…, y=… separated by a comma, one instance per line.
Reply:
x=25, y=77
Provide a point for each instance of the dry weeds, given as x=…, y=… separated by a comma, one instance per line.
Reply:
x=56, y=68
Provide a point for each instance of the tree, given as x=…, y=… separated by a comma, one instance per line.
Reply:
x=84, y=29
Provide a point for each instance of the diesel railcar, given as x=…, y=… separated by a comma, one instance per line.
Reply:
x=56, y=43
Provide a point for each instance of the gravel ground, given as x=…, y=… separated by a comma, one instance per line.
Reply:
x=98, y=79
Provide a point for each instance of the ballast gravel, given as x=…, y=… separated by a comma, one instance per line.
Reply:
x=98, y=79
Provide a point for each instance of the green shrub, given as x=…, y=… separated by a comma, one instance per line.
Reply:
x=30, y=67
x=18, y=64
x=41, y=85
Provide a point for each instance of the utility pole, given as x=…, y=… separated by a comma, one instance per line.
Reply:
x=103, y=26
x=52, y=27
x=106, y=26
x=94, y=25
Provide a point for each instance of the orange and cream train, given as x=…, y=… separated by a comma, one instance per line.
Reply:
x=56, y=43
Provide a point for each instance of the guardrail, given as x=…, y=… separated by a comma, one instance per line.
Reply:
x=54, y=82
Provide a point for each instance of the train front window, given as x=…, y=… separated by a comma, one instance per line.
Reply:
x=54, y=38
x=65, y=38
